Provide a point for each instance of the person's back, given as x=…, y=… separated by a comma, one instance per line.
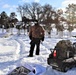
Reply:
x=36, y=34
x=36, y=31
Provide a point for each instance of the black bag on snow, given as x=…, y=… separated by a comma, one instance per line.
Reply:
x=20, y=71
x=64, y=49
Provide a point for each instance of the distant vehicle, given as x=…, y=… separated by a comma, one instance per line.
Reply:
x=63, y=57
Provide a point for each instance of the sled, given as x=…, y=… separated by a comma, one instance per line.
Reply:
x=62, y=64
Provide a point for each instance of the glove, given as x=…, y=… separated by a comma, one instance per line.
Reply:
x=42, y=38
x=30, y=37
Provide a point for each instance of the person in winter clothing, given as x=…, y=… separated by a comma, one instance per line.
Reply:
x=36, y=34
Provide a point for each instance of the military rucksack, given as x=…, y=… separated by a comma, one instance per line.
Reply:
x=64, y=49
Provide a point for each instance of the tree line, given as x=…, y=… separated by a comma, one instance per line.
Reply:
x=46, y=15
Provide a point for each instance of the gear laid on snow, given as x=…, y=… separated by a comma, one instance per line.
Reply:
x=22, y=71
x=63, y=56
x=64, y=47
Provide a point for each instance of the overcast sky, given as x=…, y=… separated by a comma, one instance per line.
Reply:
x=11, y=5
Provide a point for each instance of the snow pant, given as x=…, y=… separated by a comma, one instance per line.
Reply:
x=34, y=41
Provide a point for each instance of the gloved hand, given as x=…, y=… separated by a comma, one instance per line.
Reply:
x=42, y=38
x=30, y=37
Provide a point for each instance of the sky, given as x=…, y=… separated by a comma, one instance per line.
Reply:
x=11, y=5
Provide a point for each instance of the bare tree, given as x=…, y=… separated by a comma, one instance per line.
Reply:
x=47, y=17
x=46, y=14
x=20, y=10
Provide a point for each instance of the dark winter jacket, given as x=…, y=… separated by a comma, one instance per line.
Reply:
x=36, y=31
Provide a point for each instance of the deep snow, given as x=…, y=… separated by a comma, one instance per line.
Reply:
x=15, y=48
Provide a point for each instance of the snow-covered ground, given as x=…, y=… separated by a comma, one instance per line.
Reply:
x=15, y=48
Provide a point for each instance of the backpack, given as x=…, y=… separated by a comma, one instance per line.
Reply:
x=64, y=49
x=36, y=32
x=20, y=71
